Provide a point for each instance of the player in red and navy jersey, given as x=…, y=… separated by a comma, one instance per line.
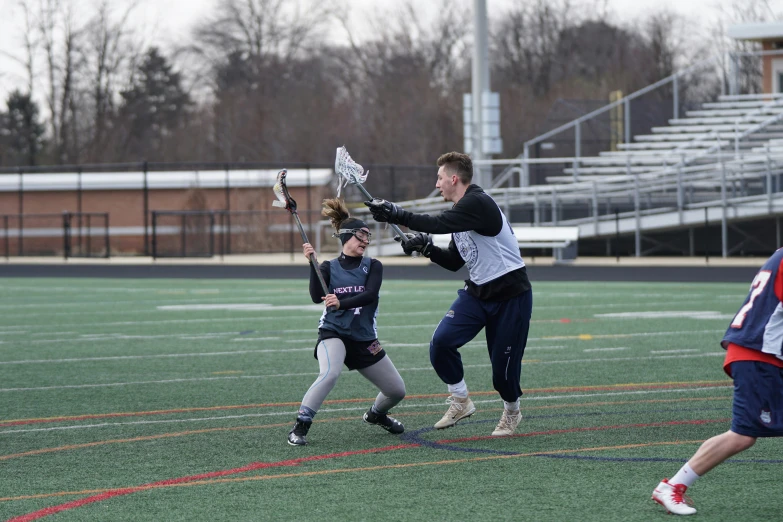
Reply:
x=754, y=359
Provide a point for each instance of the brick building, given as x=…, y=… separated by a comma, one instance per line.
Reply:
x=173, y=212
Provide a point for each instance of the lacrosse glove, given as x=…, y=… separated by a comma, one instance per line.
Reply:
x=419, y=242
x=387, y=212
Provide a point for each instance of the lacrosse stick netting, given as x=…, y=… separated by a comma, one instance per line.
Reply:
x=353, y=173
x=284, y=200
x=349, y=170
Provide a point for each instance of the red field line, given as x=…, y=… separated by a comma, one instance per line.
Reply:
x=105, y=495
x=213, y=474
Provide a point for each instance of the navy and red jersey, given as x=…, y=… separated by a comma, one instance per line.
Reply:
x=758, y=325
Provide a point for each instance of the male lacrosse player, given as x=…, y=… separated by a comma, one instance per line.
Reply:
x=497, y=295
x=754, y=359
x=348, y=335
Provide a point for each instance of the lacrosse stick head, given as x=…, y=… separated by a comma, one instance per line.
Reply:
x=284, y=199
x=348, y=170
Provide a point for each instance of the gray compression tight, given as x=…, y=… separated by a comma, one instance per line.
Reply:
x=383, y=374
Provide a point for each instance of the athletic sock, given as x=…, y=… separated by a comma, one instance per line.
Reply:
x=511, y=407
x=686, y=476
x=305, y=414
x=459, y=390
x=377, y=411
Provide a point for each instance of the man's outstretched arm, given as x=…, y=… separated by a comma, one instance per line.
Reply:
x=472, y=212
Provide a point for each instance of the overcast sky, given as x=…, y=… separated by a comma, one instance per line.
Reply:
x=166, y=22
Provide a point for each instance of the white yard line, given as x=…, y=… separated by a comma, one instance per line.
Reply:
x=588, y=337
x=403, y=405
x=616, y=349
x=313, y=374
x=158, y=356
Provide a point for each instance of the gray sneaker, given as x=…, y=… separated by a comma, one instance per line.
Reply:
x=460, y=408
x=508, y=423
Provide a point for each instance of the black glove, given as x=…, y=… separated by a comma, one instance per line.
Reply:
x=387, y=212
x=419, y=242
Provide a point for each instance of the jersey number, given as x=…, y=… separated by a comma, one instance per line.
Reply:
x=756, y=287
x=357, y=311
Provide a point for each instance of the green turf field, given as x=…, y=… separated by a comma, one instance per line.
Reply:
x=168, y=400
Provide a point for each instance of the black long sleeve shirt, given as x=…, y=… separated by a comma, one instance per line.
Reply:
x=478, y=212
x=371, y=288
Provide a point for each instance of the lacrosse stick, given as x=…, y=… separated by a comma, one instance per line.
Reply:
x=284, y=200
x=353, y=173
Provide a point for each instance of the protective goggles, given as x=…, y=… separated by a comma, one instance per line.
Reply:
x=361, y=235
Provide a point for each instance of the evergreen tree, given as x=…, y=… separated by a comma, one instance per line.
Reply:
x=22, y=132
x=153, y=107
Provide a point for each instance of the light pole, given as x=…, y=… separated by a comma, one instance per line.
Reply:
x=480, y=81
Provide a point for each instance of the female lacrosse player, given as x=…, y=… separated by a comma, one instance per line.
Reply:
x=348, y=335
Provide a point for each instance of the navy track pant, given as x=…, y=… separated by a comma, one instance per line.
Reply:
x=507, y=324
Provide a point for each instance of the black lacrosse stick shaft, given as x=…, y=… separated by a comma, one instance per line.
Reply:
x=313, y=259
x=290, y=205
x=368, y=196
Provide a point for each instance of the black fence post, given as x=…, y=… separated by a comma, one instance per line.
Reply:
x=221, y=238
x=617, y=233
x=66, y=234
x=146, y=204
x=226, y=220
x=5, y=235
x=20, y=241
x=211, y=234
x=309, y=203
x=227, y=189
x=106, y=235
x=154, y=235
x=183, y=236
x=291, y=237
x=706, y=237
x=89, y=235
x=79, y=208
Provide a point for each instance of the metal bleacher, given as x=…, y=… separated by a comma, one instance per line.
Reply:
x=714, y=165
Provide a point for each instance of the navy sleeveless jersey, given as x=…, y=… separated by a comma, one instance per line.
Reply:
x=759, y=321
x=358, y=324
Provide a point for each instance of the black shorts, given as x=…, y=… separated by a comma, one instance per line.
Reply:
x=358, y=354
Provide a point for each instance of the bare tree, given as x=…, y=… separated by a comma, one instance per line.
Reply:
x=59, y=40
x=262, y=29
x=29, y=45
x=254, y=48
x=109, y=53
x=528, y=42
x=406, y=85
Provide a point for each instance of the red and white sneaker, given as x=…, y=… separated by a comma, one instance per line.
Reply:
x=672, y=497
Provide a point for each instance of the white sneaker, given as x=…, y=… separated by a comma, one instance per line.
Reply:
x=672, y=497
x=508, y=423
x=461, y=408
